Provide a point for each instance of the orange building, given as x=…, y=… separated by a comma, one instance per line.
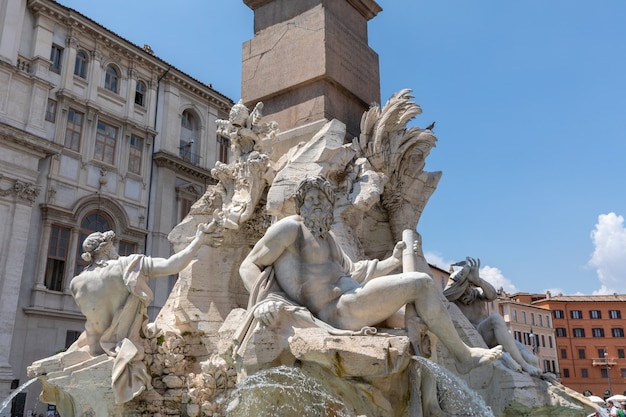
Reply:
x=590, y=343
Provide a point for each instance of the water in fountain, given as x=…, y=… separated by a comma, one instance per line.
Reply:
x=19, y=389
x=285, y=392
x=455, y=397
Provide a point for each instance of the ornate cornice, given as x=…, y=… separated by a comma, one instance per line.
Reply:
x=170, y=161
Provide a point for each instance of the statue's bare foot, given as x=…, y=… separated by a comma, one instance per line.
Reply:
x=479, y=357
x=531, y=370
x=511, y=363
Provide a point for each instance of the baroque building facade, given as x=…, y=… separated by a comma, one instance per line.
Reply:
x=590, y=342
x=96, y=134
x=531, y=325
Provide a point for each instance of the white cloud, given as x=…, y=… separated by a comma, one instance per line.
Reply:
x=490, y=274
x=496, y=278
x=437, y=260
x=609, y=256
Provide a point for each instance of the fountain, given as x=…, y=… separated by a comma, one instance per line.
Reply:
x=239, y=367
x=19, y=389
x=207, y=355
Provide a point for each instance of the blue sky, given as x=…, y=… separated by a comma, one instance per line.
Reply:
x=529, y=100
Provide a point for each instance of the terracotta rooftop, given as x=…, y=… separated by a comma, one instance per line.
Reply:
x=594, y=298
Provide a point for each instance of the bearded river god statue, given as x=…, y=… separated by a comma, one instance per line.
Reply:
x=369, y=337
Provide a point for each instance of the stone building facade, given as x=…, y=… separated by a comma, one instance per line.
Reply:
x=96, y=133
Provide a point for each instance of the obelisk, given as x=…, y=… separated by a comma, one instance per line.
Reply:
x=309, y=62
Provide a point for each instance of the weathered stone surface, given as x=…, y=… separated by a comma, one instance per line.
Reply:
x=352, y=356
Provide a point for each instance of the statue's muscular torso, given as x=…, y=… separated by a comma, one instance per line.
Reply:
x=310, y=271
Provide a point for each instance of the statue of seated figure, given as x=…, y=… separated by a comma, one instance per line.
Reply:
x=471, y=293
x=311, y=270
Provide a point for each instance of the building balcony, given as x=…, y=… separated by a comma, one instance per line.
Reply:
x=603, y=362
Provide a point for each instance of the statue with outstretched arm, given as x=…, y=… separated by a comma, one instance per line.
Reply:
x=113, y=294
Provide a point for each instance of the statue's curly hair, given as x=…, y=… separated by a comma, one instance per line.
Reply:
x=94, y=242
x=308, y=183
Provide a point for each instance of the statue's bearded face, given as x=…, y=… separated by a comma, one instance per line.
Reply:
x=317, y=212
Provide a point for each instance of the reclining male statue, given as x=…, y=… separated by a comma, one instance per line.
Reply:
x=471, y=294
x=311, y=270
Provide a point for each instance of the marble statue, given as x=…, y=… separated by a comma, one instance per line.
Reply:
x=322, y=334
x=311, y=269
x=246, y=132
x=471, y=294
x=113, y=294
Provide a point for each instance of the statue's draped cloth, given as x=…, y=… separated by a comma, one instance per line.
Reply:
x=123, y=339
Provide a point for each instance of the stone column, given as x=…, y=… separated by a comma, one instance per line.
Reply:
x=11, y=282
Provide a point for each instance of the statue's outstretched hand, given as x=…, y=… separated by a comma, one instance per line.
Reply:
x=210, y=233
x=267, y=312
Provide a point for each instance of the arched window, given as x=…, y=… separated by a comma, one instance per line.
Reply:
x=188, y=132
x=111, y=79
x=80, y=64
x=140, y=93
x=93, y=222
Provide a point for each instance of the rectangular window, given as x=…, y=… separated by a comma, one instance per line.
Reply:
x=548, y=321
x=540, y=320
x=581, y=354
x=70, y=337
x=595, y=314
x=550, y=345
x=106, y=138
x=73, y=130
x=223, y=147
x=615, y=314
x=136, y=154
x=563, y=353
x=51, y=110
x=515, y=315
x=604, y=373
x=558, y=314
x=576, y=314
x=524, y=317
x=140, y=92
x=622, y=372
x=565, y=372
x=527, y=338
x=57, y=257
x=601, y=353
x=543, y=341
x=560, y=332
x=578, y=332
x=597, y=332
x=532, y=318
x=617, y=332
x=584, y=373
x=518, y=336
x=126, y=248
x=620, y=353
x=185, y=208
x=80, y=64
x=56, y=52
